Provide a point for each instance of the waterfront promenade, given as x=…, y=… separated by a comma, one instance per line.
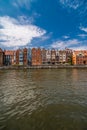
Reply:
x=45, y=67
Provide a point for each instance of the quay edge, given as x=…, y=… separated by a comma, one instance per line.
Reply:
x=45, y=67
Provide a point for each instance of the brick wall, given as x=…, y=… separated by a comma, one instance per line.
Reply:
x=36, y=56
x=1, y=57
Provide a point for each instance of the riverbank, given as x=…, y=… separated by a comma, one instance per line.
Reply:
x=46, y=67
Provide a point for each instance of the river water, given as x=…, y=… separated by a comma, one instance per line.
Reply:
x=43, y=99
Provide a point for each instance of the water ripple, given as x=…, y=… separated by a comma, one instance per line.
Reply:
x=43, y=96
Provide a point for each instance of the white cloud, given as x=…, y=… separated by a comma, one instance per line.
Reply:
x=17, y=33
x=60, y=44
x=28, y=19
x=79, y=47
x=15, y=4
x=25, y=20
x=78, y=5
x=71, y=4
x=23, y=3
x=82, y=35
x=83, y=29
x=66, y=37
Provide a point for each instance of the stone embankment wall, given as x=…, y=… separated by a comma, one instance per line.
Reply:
x=45, y=67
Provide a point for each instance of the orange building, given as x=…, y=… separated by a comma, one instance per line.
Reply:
x=74, y=58
x=79, y=57
x=36, y=56
x=1, y=57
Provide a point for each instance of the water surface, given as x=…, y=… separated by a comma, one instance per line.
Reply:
x=43, y=99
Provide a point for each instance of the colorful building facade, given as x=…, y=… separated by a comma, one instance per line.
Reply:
x=29, y=56
x=69, y=53
x=44, y=62
x=62, y=56
x=36, y=56
x=79, y=57
x=53, y=56
x=48, y=56
x=9, y=57
x=25, y=56
x=22, y=56
x=1, y=57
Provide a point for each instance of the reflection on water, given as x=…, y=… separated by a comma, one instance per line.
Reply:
x=43, y=99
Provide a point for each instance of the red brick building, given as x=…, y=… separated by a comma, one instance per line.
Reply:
x=81, y=59
x=25, y=56
x=36, y=56
x=9, y=57
x=17, y=57
x=1, y=57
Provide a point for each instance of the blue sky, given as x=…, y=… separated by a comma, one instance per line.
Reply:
x=43, y=23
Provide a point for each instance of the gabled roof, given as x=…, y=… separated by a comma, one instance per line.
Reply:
x=9, y=52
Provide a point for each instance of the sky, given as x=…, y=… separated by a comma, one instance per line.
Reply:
x=47, y=24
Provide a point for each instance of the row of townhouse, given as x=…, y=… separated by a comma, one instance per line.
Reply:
x=74, y=57
x=50, y=57
x=34, y=56
x=38, y=56
x=17, y=57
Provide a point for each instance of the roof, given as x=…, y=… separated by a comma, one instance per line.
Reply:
x=8, y=52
